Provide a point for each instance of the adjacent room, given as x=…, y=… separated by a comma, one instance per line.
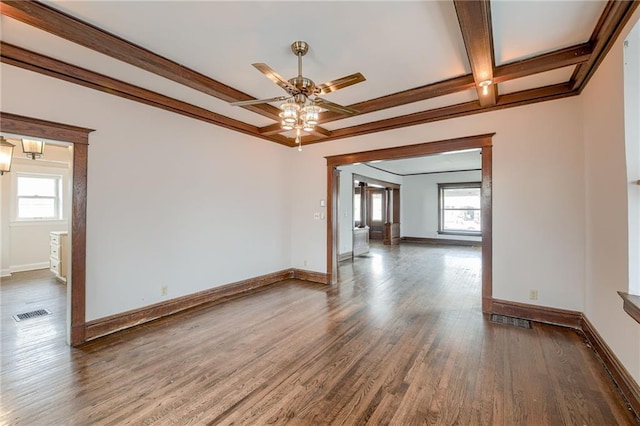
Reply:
x=420, y=212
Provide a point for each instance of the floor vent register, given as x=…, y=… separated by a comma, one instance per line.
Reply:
x=32, y=314
x=516, y=322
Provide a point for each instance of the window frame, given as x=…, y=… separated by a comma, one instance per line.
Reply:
x=58, y=198
x=441, y=210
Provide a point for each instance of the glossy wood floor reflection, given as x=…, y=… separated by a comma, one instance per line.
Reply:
x=401, y=341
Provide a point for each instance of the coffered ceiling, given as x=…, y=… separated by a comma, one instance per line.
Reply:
x=423, y=61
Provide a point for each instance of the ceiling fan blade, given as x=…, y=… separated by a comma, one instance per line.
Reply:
x=275, y=77
x=332, y=86
x=259, y=101
x=331, y=106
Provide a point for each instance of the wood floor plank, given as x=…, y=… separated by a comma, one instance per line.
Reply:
x=401, y=340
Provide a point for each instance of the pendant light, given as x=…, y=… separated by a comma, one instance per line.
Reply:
x=6, y=155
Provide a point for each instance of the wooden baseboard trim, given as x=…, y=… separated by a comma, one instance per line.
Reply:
x=345, y=256
x=316, y=277
x=118, y=322
x=625, y=382
x=555, y=316
x=441, y=241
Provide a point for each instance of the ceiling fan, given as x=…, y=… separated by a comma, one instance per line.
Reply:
x=303, y=95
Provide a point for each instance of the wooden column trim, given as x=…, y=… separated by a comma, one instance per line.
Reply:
x=486, y=198
x=79, y=136
x=363, y=204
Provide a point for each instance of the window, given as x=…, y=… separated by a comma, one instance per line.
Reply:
x=38, y=197
x=376, y=207
x=459, y=208
x=356, y=209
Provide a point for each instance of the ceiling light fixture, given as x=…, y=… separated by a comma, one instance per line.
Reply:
x=484, y=85
x=303, y=104
x=6, y=155
x=33, y=149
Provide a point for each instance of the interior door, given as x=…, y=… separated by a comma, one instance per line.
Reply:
x=376, y=212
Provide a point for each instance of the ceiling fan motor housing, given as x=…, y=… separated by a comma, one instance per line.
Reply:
x=303, y=85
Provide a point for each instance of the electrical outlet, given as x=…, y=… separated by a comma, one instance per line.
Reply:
x=164, y=290
x=533, y=294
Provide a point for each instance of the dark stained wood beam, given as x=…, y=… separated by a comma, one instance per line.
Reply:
x=19, y=57
x=72, y=29
x=612, y=21
x=468, y=108
x=546, y=62
x=422, y=93
x=474, y=17
x=33, y=61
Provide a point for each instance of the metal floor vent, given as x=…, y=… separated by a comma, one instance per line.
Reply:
x=32, y=314
x=516, y=322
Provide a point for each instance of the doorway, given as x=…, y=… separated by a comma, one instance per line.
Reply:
x=484, y=142
x=79, y=137
x=36, y=210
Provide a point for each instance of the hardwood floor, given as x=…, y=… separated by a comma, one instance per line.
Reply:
x=401, y=340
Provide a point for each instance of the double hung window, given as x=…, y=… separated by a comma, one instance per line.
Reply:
x=38, y=197
x=459, y=208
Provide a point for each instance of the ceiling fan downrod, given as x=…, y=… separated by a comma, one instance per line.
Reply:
x=304, y=86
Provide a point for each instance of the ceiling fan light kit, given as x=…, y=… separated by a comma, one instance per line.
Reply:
x=302, y=107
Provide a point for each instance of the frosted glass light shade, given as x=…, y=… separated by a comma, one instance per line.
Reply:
x=32, y=148
x=289, y=112
x=6, y=155
x=310, y=114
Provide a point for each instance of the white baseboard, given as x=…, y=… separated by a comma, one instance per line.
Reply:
x=5, y=272
x=29, y=267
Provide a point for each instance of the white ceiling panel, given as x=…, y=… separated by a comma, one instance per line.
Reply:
x=542, y=79
x=522, y=29
x=392, y=43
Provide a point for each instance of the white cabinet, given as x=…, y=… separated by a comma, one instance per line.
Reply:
x=57, y=261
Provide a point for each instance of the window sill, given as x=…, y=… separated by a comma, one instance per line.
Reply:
x=38, y=222
x=463, y=233
x=631, y=305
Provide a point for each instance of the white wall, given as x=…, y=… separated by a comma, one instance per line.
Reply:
x=606, y=207
x=171, y=200
x=632, y=151
x=538, y=196
x=25, y=244
x=420, y=203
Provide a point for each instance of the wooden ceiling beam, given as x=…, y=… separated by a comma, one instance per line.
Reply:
x=612, y=21
x=422, y=93
x=474, y=17
x=72, y=29
x=19, y=57
x=468, y=108
x=546, y=62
